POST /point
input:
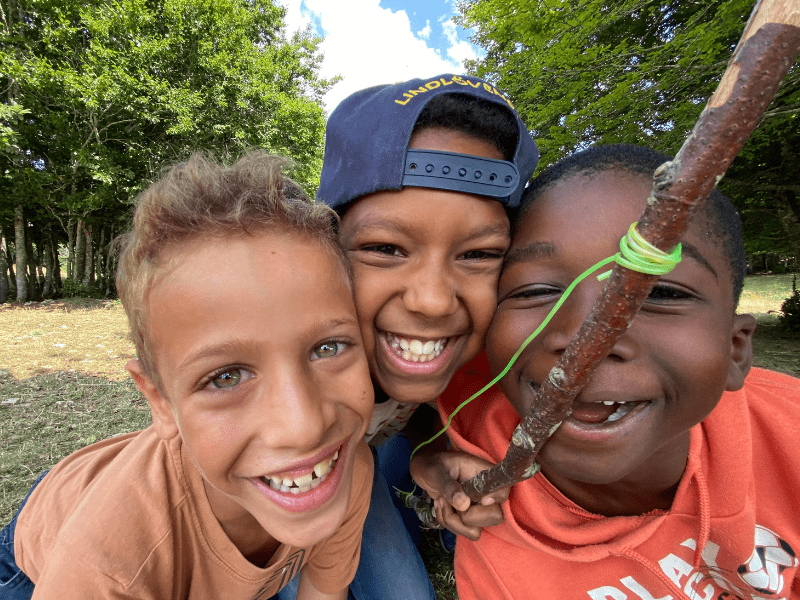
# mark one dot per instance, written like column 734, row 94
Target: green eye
column 227, row 379
column 327, row 349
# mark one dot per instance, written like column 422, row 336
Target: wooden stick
column 762, row 58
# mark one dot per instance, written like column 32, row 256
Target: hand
column 440, row 474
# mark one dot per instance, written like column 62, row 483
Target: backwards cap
column 366, row 146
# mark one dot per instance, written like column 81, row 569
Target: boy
column 250, row 357
column 422, row 173
column 674, row 475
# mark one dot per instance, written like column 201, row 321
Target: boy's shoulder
column 129, row 516
column 118, row 492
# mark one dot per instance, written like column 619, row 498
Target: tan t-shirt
column 129, row 518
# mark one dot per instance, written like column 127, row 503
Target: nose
column 431, row 290
column 570, row 317
column 293, row 414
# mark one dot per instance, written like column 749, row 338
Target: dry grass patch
column 88, row 336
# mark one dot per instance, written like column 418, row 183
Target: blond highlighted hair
column 201, row 198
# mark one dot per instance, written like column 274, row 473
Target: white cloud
column 369, row 45
column 458, row 51
column 425, row 32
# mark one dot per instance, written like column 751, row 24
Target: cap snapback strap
column 460, row 173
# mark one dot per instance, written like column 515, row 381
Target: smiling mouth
column 415, row 350
column 303, row 483
column 600, row 413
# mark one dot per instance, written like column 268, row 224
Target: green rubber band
column 636, row 254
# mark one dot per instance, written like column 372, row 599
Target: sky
column 369, row 42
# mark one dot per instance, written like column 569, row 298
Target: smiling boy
column 240, row 305
column 422, row 173
column 673, row 476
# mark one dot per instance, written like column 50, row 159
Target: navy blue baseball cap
column 366, row 146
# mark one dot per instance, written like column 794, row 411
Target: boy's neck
column 652, row 488
column 242, row 528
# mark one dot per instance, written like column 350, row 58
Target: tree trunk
column 71, row 248
column 21, row 258
column 88, row 270
column 110, row 269
column 788, row 208
column 80, row 252
column 58, row 284
column 10, row 258
column 48, row 289
column 33, row 265
column 3, row 270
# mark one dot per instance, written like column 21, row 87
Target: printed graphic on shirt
column 766, row 575
column 771, row 557
column 285, row 574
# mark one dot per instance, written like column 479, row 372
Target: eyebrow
column 381, row 223
column 531, row 252
column 540, row 250
column 690, row 250
column 249, row 347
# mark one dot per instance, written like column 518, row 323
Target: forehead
column 597, row 209
column 254, row 271
column 453, row 140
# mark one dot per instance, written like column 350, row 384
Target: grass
column 763, row 294
column 63, row 385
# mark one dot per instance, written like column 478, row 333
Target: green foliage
column 73, row 289
column 640, row 71
column 99, row 96
column 790, row 309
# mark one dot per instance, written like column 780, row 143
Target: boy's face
column 264, row 378
column 425, row 264
column 664, row 375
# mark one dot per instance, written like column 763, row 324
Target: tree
column 638, row 71
column 113, row 91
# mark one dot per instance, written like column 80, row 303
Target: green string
column 636, row 254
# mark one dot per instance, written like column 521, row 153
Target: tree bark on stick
column 762, row 58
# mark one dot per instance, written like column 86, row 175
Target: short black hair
column 721, row 216
column 474, row 116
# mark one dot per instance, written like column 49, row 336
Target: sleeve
column 333, row 564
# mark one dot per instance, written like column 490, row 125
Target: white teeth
column 608, row 402
column 303, row 483
column 416, row 350
column 303, row 479
column 623, row 409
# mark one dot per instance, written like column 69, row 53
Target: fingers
column 451, row 519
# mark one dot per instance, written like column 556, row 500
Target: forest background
column 97, row 97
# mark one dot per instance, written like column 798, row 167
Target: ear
column 741, row 351
column 163, row 417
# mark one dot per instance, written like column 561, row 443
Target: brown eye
column 227, row 379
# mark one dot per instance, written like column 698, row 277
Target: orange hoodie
column 732, row 532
